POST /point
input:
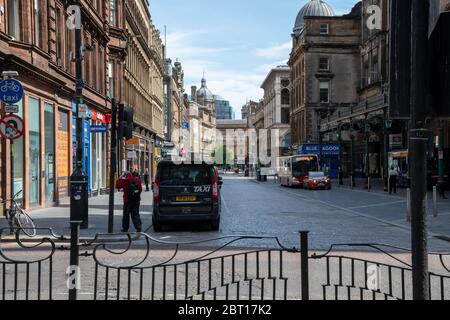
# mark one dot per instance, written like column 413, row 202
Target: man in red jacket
column 132, row 189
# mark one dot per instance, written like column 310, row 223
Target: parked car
column 184, row 193
column 317, row 180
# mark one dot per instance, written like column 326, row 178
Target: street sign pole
column 112, row 166
column 12, row 172
column 418, row 149
column 79, row 206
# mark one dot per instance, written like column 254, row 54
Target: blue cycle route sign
column 11, row 91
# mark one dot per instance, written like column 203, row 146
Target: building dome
column 204, row 92
column 314, row 8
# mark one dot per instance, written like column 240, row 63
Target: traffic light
column 126, row 120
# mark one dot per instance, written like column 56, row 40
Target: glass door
column 35, row 167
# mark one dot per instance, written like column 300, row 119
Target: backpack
column 134, row 195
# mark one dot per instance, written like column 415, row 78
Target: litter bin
column 79, row 198
column 258, row 175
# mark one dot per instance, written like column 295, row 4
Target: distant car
column 185, row 193
column 317, row 180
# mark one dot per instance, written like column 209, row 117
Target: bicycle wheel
column 26, row 223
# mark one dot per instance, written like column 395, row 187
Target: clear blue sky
column 235, row 42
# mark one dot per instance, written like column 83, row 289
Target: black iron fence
column 139, row 267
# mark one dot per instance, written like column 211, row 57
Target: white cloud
column 277, row 51
column 237, row 86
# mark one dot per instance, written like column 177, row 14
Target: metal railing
column 140, row 267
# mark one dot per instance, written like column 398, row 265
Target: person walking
column 393, row 176
column 132, row 188
column 147, row 180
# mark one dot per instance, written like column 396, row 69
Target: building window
column 59, row 38
column 285, row 97
column 324, row 64
column 14, row 19
column 37, row 23
column 324, row 91
column 324, row 28
column 111, row 79
column 285, row 115
column 112, row 12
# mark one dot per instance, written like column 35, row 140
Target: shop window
column 34, row 153
column 63, row 146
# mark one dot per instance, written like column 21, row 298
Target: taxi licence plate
column 186, row 199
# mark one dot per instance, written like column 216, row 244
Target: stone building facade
column 35, row 42
column 276, row 104
column 202, row 123
column 325, row 68
column 143, row 86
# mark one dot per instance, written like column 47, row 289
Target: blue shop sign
column 327, row 149
column 98, row 129
column 11, row 91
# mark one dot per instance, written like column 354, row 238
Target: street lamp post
column 352, row 156
column 418, row 149
column 341, row 182
column 79, row 206
column 387, row 125
column 367, row 164
column 441, row 182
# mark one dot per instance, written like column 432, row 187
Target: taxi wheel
column 215, row 225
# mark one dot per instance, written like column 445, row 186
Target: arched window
column 285, row 97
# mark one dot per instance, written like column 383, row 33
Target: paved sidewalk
column 58, row 218
column 439, row 226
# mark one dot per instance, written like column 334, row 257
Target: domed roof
column 314, row 8
column 204, row 92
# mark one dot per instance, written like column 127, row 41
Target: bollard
column 408, row 205
column 304, row 266
column 435, row 202
column 74, row 276
column 368, row 184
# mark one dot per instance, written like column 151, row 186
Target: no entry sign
column 11, row 127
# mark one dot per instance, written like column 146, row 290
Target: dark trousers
column 131, row 209
column 392, row 184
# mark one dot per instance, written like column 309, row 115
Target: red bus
column 293, row 170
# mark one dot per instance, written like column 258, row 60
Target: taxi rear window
column 185, row 175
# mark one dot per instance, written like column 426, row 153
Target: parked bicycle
column 19, row 218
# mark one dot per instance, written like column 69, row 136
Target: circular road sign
column 11, row 91
column 11, row 127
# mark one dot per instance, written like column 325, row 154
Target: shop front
column 139, row 155
column 98, row 153
column 329, row 156
column 41, row 156
column 85, row 144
